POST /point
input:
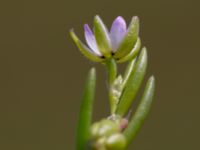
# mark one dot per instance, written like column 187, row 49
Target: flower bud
column 104, row 128
column 116, row 141
column 107, row 128
column 100, row 144
column 94, row 131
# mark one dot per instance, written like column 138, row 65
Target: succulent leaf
column 85, row 114
column 141, row 112
column 133, row 84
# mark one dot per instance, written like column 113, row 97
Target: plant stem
column 112, row 73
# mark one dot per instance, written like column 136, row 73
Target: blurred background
column 42, row 73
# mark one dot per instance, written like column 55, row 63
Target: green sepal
column 129, row 40
column 102, row 37
column 133, row 52
column 141, row 111
column 133, row 84
column 84, row 49
column 85, row 114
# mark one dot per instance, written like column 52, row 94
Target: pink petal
column 90, row 39
column 117, row 32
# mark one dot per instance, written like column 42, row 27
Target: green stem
column 112, row 73
column 112, row 70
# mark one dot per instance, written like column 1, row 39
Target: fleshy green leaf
column 133, row 52
column 85, row 115
column 133, row 84
column 84, row 49
column 129, row 40
column 102, row 37
column 141, row 112
column 130, row 67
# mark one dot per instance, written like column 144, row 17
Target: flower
column 120, row 43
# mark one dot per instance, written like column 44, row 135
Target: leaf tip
column 152, row 81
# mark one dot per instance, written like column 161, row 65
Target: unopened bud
column 116, row 141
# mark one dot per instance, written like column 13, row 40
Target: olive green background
column 42, row 73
